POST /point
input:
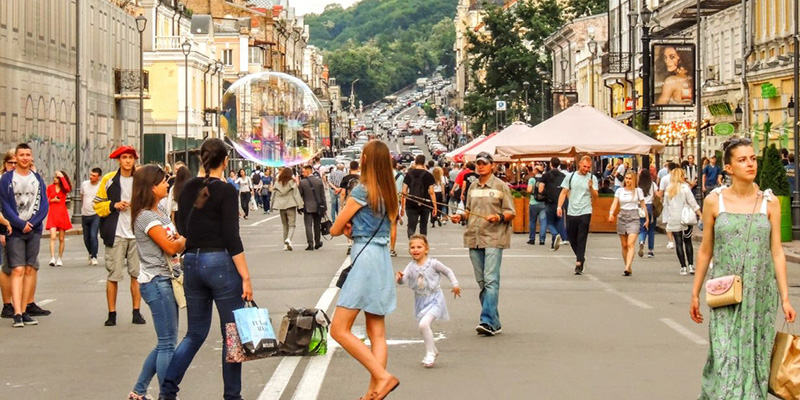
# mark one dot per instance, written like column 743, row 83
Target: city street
column 600, row 335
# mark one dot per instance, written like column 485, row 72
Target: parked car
column 416, row 131
column 406, row 157
column 408, row 140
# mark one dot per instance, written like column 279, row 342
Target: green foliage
column 771, row 174
column 386, row 44
column 508, row 53
column 430, row 112
column 583, row 8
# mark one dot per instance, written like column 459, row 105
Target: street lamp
column 738, row 113
column 219, row 98
column 353, row 96
column 646, row 14
column 513, row 101
column 564, row 65
column 141, row 23
column 544, row 79
column 790, row 107
column 793, row 112
column 526, row 85
column 186, row 46
column 593, row 50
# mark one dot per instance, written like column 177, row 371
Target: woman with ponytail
column 209, row 218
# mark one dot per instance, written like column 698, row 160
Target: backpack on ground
column 552, row 188
column 304, row 332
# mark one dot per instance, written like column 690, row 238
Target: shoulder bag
column 688, row 216
column 174, row 262
column 345, row 272
column 642, row 212
column 727, row 290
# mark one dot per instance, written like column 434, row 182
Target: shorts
column 22, row 250
column 123, row 253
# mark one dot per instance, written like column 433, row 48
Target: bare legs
column 374, row 359
column 628, row 244
column 111, row 294
column 23, row 283
column 59, row 234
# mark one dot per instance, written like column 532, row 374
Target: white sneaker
column 429, row 360
column 565, row 242
column 89, row 262
column 691, row 269
column 94, row 261
column 683, row 271
column 59, row 263
column 557, row 243
column 288, row 244
column 670, row 245
column 52, row 262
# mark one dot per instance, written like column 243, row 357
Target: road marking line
column 608, row 288
column 45, row 302
column 264, row 220
column 685, row 332
column 504, row 255
column 283, row 374
column 280, row 379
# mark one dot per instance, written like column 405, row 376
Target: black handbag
column 345, row 272
column 326, row 225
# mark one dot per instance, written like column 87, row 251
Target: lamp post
column 496, row 111
column 219, row 98
column 593, row 50
column 353, row 95
column 514, row 112
column 186, row 46
column 646, row 14
column 526, row 85
column 504, row 122
column 738, row 114
column 794, row 106
column 141, row 23
column 698, row 97
column 564, row 65
column 545, row 77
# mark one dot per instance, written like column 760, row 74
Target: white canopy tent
column 581, row 129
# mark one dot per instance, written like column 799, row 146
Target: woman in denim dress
column 367, row 219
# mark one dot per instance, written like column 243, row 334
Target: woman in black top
column 214, row 265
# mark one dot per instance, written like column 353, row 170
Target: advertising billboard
column 563, row 101
column 673, row 75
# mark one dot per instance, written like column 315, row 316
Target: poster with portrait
column 563, row 101
column 673, row 75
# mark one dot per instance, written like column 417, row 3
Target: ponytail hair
column 212, row 155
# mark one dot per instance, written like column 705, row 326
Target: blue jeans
column 90, row 225
column 209, row 277
column 265, row 198
column 334, row 205
column 537, row 213
column 554, row 222
column 486, row 263
column 159, row 297
column 650, row 231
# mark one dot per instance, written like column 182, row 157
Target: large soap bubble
column 273, row 119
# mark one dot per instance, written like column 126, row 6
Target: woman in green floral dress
column 741, row 335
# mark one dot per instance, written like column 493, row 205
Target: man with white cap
column 112, row 203
column 489, row 210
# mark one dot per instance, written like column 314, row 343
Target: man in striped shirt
column 334, row 183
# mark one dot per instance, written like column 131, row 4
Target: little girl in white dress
column 423, row 276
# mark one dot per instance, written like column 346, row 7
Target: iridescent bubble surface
column 273, row 119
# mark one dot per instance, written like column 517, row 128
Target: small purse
column 173, row 262
column 727, row 290
column 642, row 212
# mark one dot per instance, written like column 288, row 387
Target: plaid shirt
column 335, row 177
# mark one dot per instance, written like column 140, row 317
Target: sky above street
column 303, row 7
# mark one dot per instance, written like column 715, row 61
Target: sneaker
column 112, row 319
column 691, row 269
column 557, row 244
column 392, row 253
column 137, row 318
column 541, row 243
column 641, row 249
column 670, row 245
column 27, row 320
column 134, row 396
column 59, row 263
column 288, row 244
column 565, row 242
column 531, row 242
column 17, row 323
column 484, row 329
column 429, row 360
column 52, row 262
column 89, row 261
column 579, row 269
column 683, row 271
column 650, row 254
column 94, row 260
column 36, row 311
column 8, row 311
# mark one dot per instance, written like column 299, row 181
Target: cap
column 124, row 150
column 485, row 157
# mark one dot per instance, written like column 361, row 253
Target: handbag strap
column 750, row 225
column 383, row 218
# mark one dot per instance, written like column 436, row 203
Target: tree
column 508, row 52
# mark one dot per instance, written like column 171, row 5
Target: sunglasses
column 11, row 162
column 737, row 142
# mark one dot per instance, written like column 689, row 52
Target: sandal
column 627, row 273
column 390, row 387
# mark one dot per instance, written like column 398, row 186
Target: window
column 256, row 55
column 4, row 14
column 227, row 57
column 14, row 11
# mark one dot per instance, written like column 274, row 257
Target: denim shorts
column 22, row 250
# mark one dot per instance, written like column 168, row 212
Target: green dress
column 742, row 335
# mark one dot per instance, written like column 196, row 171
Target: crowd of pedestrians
column 148, row 219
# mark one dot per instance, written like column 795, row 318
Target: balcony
column 615, row 63
column 126, row 84
column 169, row 43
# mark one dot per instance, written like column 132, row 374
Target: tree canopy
column 386, row 44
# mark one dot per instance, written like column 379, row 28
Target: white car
column 408, row 140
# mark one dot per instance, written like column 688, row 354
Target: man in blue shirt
column 711, row 176
column 791, row 174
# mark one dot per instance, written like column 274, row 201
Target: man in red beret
column 112, row 203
